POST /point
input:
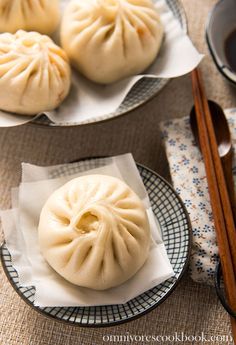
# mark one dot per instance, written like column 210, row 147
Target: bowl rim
column 221, row 68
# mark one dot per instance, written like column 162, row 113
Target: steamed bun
column 108, row 40
column 31, row 15
column 94, row 232
column 34, row 73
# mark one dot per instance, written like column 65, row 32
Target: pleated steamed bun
column 31, row 15
column 35, row 74
column 94, row 232
column 108, row 40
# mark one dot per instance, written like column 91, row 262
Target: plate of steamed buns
column 95, row 229
column 105, row 41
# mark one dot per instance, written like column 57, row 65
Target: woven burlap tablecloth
column 192, row 309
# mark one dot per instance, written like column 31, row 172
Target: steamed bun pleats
column 30, row 15
column 107, row 40
column 94, row 232
column 35, row 74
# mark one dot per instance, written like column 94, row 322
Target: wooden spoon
column 225, row 147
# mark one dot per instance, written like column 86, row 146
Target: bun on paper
column 107, row 40
column 94, row 232
column 35, row 74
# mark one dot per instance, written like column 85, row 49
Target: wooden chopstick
column 222, row 185
column 221, row 209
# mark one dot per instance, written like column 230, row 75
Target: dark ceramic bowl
column 221, row 23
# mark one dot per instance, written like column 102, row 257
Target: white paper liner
column 20, row 229
column 88, row 101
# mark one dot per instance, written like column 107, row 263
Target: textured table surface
column 192, row 309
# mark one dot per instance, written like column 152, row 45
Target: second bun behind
column 37, row 15
column 108, row 40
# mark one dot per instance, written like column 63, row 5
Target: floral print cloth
column 189, row 180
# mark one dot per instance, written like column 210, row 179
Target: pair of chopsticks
column 220, row 203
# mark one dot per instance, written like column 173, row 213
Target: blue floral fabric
column 189, row 179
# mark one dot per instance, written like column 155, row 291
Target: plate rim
column 129, row 319
column 164, row 82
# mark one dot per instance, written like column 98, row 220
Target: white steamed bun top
column 35, row 74
column 31, row 15
column 108, row 40
column 94, row 232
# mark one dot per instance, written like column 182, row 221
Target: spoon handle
column 229, row 178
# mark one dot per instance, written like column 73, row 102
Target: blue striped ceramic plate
column 174, row 222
